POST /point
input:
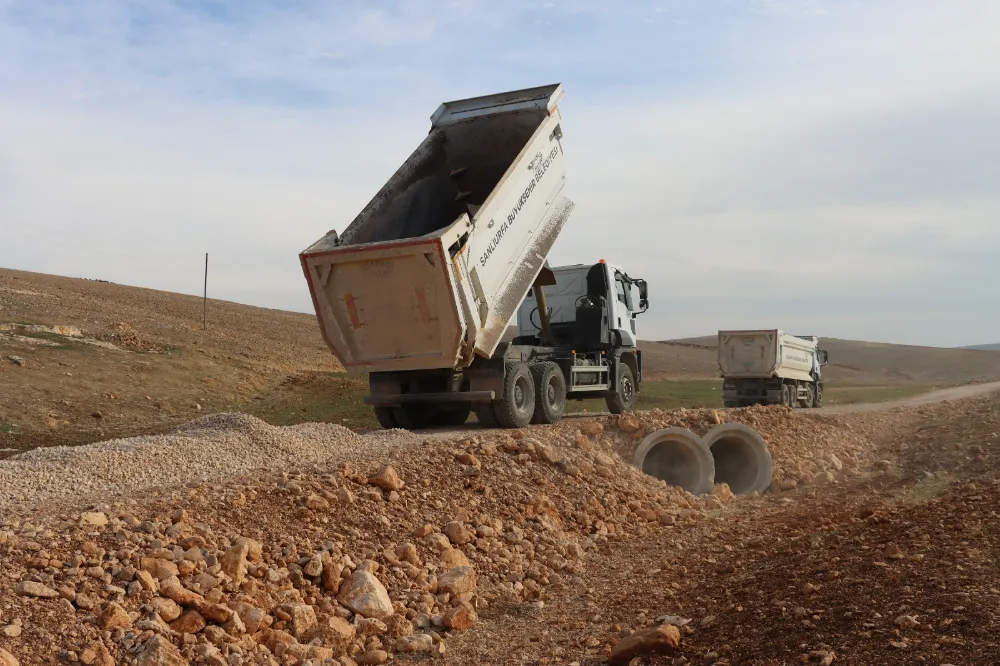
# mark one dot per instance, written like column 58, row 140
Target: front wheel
column 818, row 399
column 623, row 399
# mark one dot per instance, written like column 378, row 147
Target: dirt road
column 930, row 398
column 933, row 397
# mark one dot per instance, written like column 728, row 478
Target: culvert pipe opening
column 741, row 458
column 677, row 456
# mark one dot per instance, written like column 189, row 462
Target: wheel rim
column 626, row 390
column 521, row 393
column 550, row 394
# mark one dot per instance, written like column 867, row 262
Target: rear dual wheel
column 415, row 417
column 550, row 392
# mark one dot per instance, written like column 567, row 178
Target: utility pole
column 204, row 310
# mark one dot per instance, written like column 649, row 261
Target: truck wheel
column 788, row 396
column 728, row 403
column 550, row 392
column 622, row 400
column 412, row 417
column 485, row 415
column 453, row 416
column 818, row 401
column 517, row 405
column 384, row 417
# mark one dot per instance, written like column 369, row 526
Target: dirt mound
column 213, row 447
column 805, row 448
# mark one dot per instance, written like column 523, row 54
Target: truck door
column 622, row 309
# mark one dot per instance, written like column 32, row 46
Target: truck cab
column 576, row 290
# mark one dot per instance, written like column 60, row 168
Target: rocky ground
column 235, row 542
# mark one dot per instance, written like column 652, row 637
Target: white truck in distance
column 420, row 288
column 770, row 367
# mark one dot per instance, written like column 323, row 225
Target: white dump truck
column 418, row 291
column 770, row 367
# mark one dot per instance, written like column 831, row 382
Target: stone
column 408, row 553
column 372, row 658
column 461, row 617
column 303, row 622
column 386, row 479
column 171, row 588
column 453, row 557
column 12, row 631
column 415, row 643
column 364, row 594
column 159, row 568
column 252, row 617
column 215, row 612
column 235, row 626
column 457, row 534
column 369, row 626
column 337, row 633
column 158, row 651
column 317, row 503
column 659, row 640
column 167, row 609
column 458, row 581
column 314, row 567
column 190, row 622
column 29, row 588
column 332, row 571
column 113, row 616
column 147, row 581
column 93, row 519
column 628, row 424
column 234, row 562
column 398, row 626
column 592, row 428
column 7, row 659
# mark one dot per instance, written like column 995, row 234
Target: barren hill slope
column 128, row 359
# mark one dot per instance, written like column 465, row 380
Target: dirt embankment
column 233, row 542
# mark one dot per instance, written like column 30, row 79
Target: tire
column 517, row 405
column 384, row 417
column 413, row 417
column 623, row 399
column 728, row 404
column 818, row 396
column 788, row 396
column 452, row 416
column 485, row 415
column 550, row 392
column 810, row 402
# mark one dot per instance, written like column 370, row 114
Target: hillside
column 94, row 360
column 990, row 347
column 131, row 360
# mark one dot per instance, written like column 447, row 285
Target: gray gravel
column 211, row 448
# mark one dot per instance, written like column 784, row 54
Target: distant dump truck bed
column 429, row 274
column 770, row 367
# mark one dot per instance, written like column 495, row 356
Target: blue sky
column 821, row 165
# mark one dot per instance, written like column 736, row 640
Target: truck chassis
column 520, row 384
column 772, row 391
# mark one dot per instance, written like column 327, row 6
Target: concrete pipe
column 741, row 458
column 677, row 456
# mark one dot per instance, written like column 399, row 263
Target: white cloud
column 757, row 169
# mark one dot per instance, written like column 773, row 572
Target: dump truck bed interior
column 430, row 273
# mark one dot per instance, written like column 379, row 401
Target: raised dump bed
column 429, row 274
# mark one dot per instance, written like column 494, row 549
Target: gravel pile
column 210, row 448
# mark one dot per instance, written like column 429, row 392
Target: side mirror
column 643, row 295
column 823, row 357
